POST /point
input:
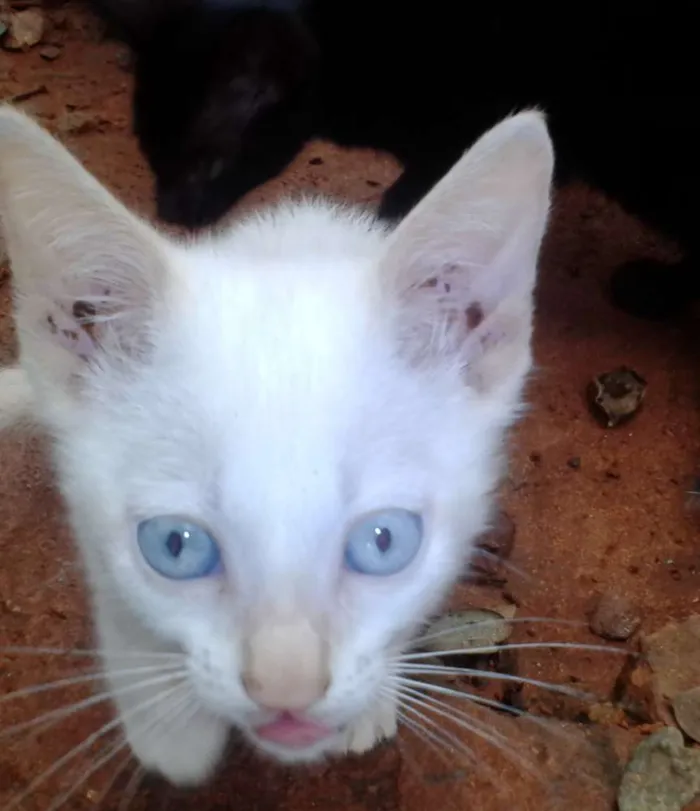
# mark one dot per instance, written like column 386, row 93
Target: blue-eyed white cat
column 277, row 443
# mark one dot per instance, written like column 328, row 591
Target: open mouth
column 294, row 733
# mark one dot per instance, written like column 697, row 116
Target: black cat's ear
column 134, row 21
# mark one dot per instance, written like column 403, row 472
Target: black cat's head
column 222, row 100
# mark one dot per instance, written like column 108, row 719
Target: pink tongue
column 290, row 731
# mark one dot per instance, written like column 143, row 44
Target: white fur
column 273, row 383
column 15, row 397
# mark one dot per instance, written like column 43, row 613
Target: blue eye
column 178, row 549
column 384, row 542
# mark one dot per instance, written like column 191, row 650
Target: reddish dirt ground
column 617, row 521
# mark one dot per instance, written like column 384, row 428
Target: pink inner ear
column 70, row 334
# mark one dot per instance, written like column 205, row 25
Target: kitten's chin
column 311, row 753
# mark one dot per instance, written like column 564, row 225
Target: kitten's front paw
column 185, row 755
column 372, row 728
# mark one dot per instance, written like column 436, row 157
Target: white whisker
column 19, row 650
column 119, row 771
column 425, row 736
column 112, row 752
column 167, row 716
column 39, row 589
column 447, row 737
column 132, row 788
column 475, row 698
column 86, row 744
column 488, row 649
column 430, row 701
column 408, row 758
column 85, row 679
column 485, row 623
column 427, row 670
column 508, row 565
column 461, row 719
column 455, row 743
column 54, row 716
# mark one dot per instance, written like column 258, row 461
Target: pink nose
column 271, row 695
column 286, row 664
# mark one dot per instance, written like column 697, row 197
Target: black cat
column 227, row 92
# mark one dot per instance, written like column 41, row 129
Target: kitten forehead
column 283, row 350
column 283, row 325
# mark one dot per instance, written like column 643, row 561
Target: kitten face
column 221, row 99
column 277, row 445
column 279, row 463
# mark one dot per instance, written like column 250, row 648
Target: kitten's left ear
column 87, row 273
column 463, row 263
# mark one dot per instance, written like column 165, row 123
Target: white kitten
column 277, row 444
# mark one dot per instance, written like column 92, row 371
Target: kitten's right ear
column 87, row 274
column 463, row 263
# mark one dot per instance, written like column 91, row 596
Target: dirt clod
column 78, row 122
column 9, row 606
column 30, row 93
column 25, row 29
column 663, row 774
column 615, row 397
column 673, row 654
column 606, row 714
column 500, row 540
column 493, row 547
column 473, row 628
column 636, row 689
column 670, row 668
column 614, row 617
column 686, row 708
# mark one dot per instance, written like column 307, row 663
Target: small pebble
column 50, row 52
column 615, row 397
column 614, row 617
